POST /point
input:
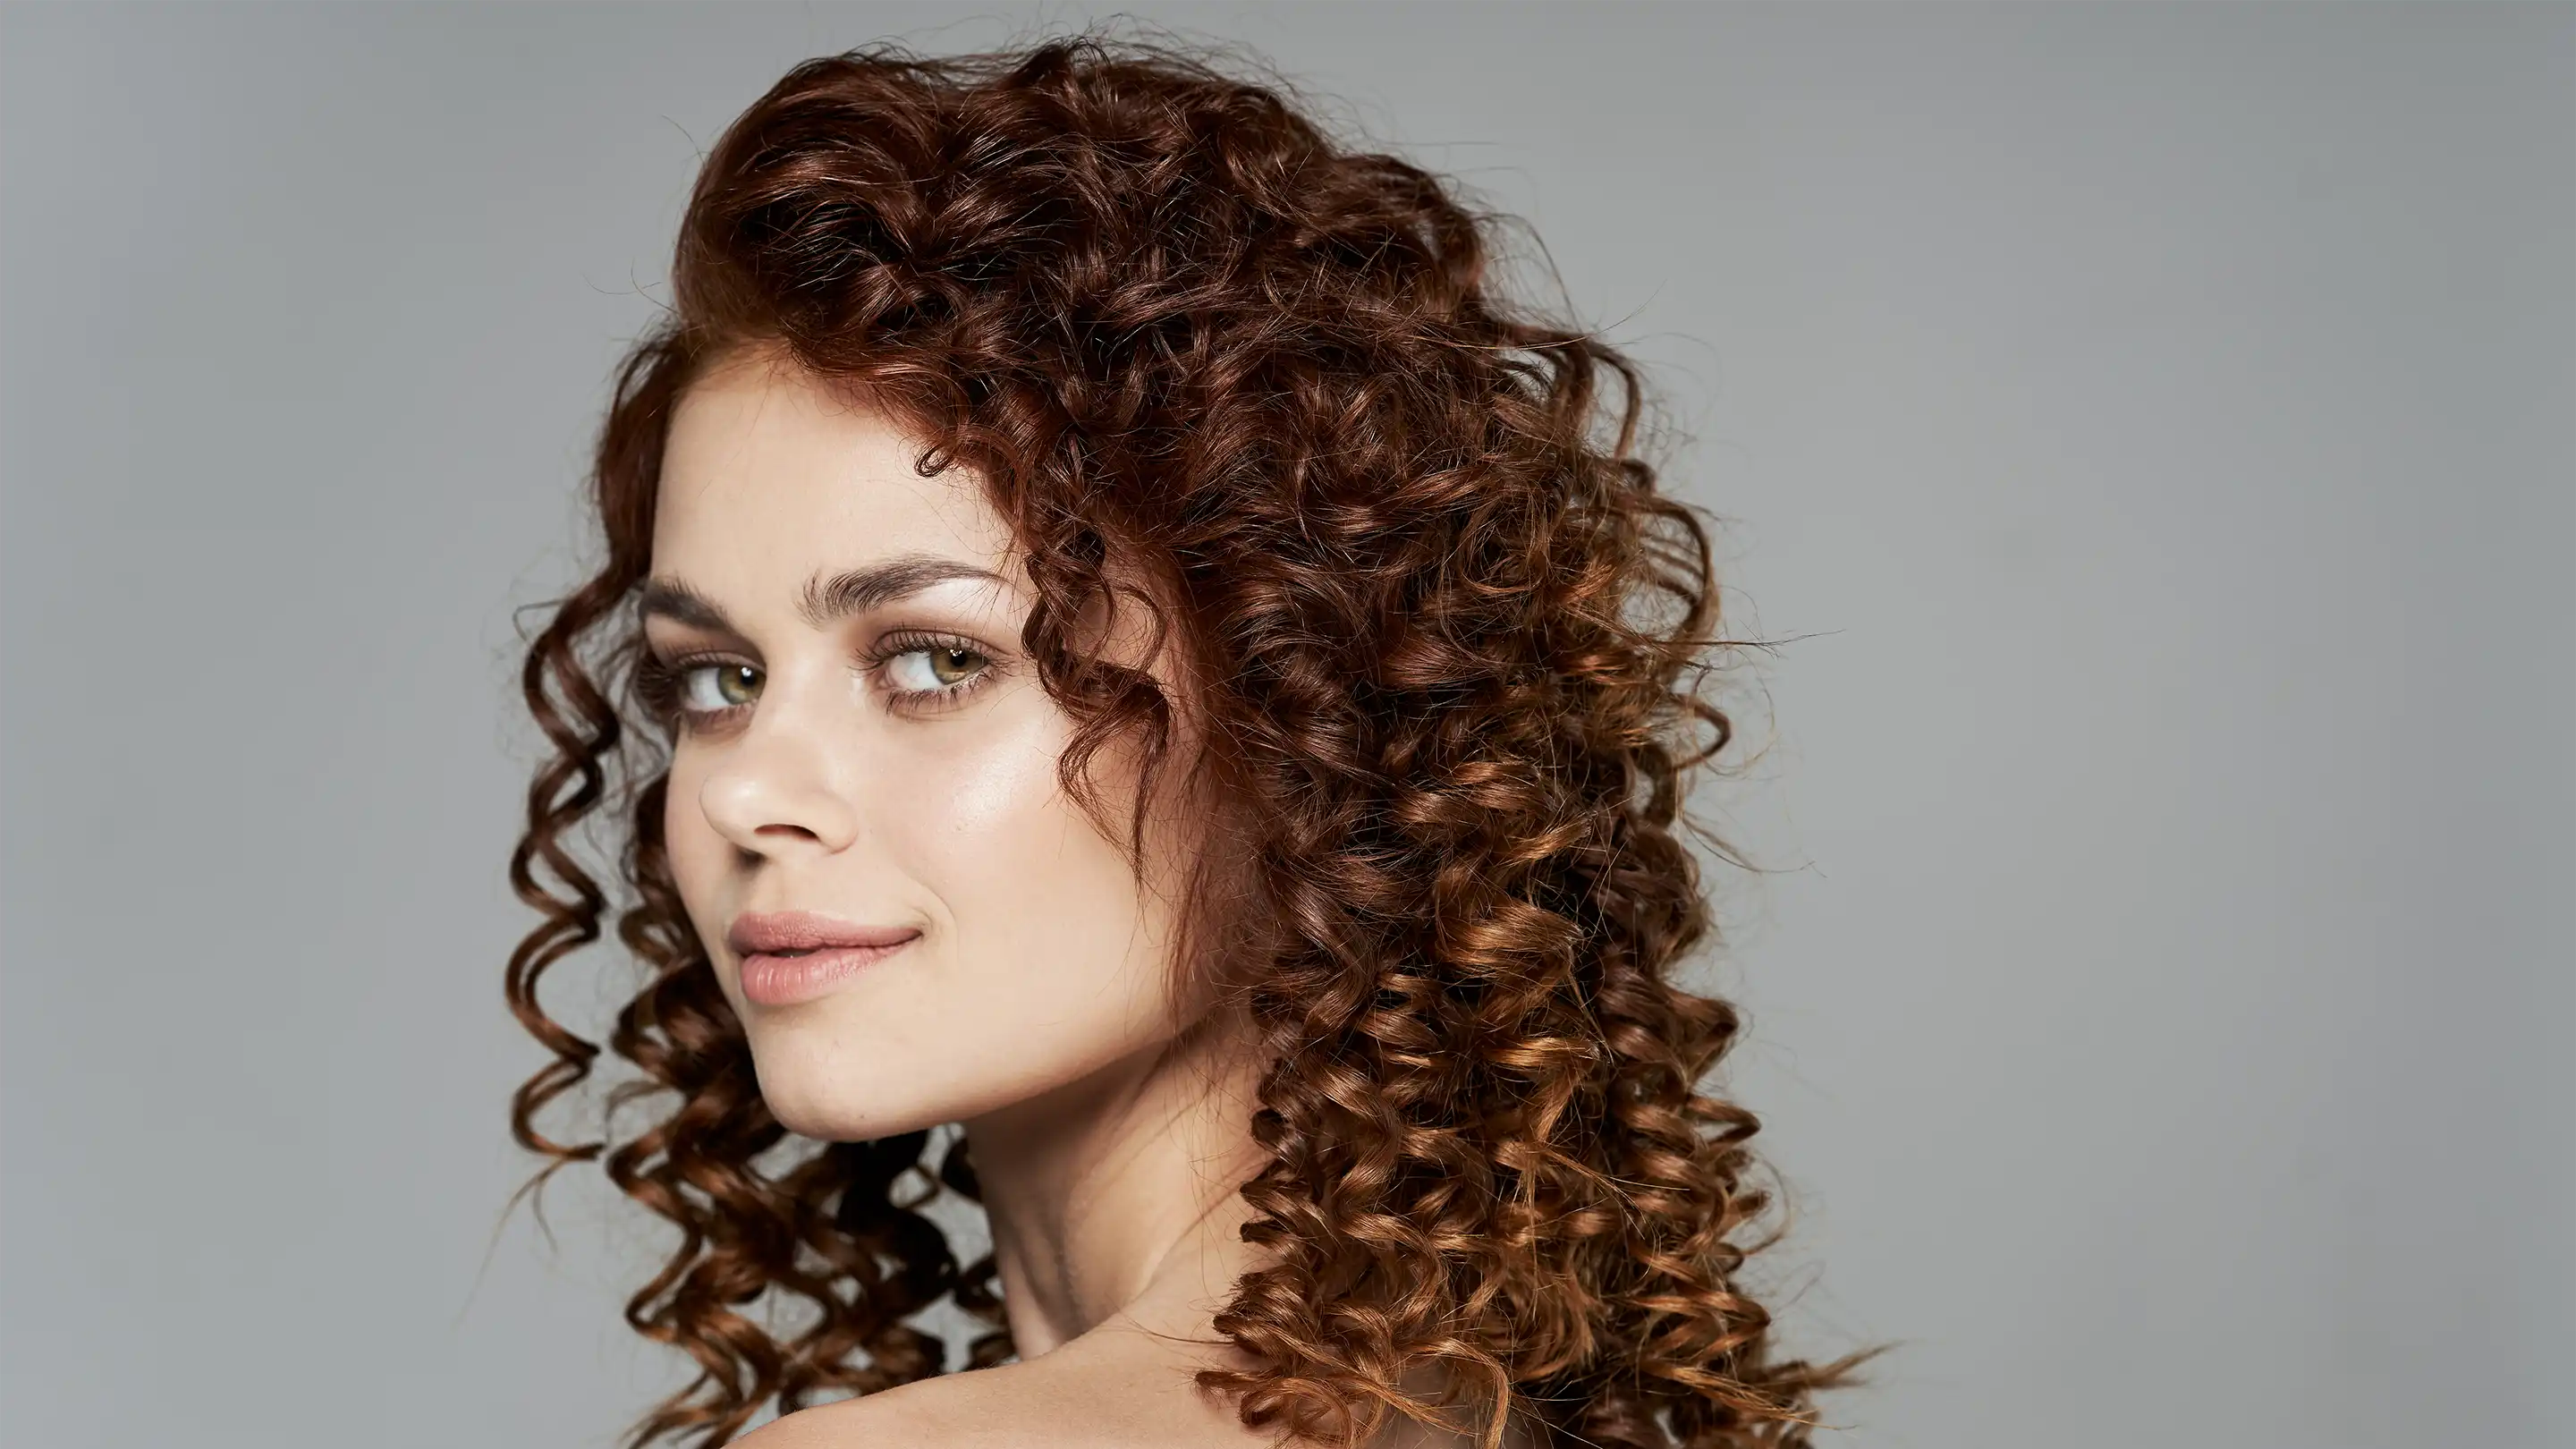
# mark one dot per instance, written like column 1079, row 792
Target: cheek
column 1048, row 928
column 1013, row 857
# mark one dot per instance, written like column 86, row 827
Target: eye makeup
column 919, row 672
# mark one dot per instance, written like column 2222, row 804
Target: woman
column 1115, row 639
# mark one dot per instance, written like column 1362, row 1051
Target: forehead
column 769, row 472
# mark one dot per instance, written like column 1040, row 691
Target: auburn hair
column 1452, row 644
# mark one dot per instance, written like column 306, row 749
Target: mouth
column 789, row 933
column 789, row 977
column 793, row 956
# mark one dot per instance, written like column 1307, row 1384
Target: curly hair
column 1453, row 642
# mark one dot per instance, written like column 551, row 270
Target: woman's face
column 863, row 748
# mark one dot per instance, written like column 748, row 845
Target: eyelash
column 661, row 681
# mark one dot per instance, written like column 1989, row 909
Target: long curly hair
column 1453, row 645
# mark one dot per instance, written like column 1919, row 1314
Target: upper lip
column 753, row 933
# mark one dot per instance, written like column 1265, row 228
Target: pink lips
column 793, row 956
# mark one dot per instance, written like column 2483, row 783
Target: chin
column 830, row 1112
column 827, row 1117
column 825, row 1077
column 845, row 1087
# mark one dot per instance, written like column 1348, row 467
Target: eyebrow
column 824, row 599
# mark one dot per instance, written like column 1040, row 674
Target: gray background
column 2153, row 423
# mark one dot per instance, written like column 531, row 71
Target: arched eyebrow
column 825, row 599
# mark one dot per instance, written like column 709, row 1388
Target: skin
column 1106, row 1107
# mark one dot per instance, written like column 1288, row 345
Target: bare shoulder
column 1094, row 1393
column 953, row 1411
column 1109, row 1389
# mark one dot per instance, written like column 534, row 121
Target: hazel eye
column 932, row 668
column 735, row 686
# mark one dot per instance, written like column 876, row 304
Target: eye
column 733, row 686
column 933, row 668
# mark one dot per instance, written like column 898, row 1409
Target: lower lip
column 787, row 980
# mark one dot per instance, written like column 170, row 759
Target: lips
column 793, row 956
column 789, row 933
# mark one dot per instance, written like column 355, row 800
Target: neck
column 1116, row 1196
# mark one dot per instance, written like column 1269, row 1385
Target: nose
column 775, row 789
